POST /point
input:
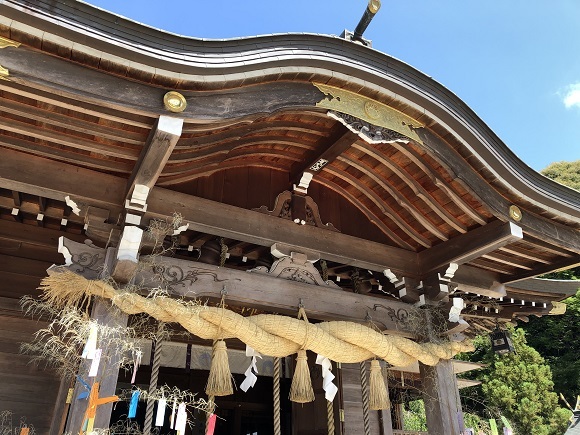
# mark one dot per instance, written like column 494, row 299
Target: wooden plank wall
column 26, row 390
column 352, row 400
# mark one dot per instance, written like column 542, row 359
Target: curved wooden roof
column 86, row 89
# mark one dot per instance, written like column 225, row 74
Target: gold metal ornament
column 174, row 102
column 558, row 308
column 4, row 73
column 515, row 213
column 369, row 110
column 374, row 6
column 5, row 42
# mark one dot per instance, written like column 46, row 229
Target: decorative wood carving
column 369, row 132
column 82, row 258
column 368, row 110
column 297, row 268
column 298, row 208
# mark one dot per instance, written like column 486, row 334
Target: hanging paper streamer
column 211, row 424
column 133, row 404
column 251, row 378
column 507, row 428
column 493, row 427
column 172, row 417
column 329, row 388
column 181, row 420
column 138, row 356
column 83, row 394
column 95, row 364
column 91, row 344
column 160, row 417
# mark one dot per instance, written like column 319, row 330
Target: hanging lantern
column 501, row 342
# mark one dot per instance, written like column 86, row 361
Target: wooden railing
column 408, row 432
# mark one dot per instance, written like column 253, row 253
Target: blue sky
column 516, row 63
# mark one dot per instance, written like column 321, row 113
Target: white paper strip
column 91, row 344
column 160, row 417
column 136, row 365
column 251, row 378
column 95, row 364
column 329, row 388
column 181, row 420
column 172, row 417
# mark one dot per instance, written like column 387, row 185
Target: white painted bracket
column 304, row 182
column 138, row 199
column 129, row 244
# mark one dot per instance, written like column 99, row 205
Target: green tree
column 566, row 173
column 556, row 339
column 519, row 386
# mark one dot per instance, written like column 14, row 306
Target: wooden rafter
column 396, row 195
column 438, row 181
column 417, row 189
column 532, row 224
column 469, row 246
column 381, row 205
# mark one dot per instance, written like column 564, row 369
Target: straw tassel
column 219, row 382
column 378, row 395
column 301, row 390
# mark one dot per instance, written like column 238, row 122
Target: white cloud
column 572, row 96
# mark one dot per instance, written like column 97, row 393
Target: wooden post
column 108, row 371
column 440, row 391
column 441, row 396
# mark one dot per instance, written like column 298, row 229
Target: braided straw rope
column 271, row 335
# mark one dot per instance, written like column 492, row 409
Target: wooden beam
column 469, row 246
column 54, row 180
column 156, row 152
column 253, row 227
column 341, row 140
column 67, row 79
column 254, row 290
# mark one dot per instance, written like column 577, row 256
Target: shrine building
column 292, row 179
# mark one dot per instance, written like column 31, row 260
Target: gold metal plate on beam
column 558, row 308
column 515, row 213
column 4, row 73
column 174, row 102
column 5, row 42
column 369, row 110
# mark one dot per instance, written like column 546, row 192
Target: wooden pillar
column 441, row 397
column 108, row 369
column 397, row 415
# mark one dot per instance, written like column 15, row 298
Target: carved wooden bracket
column 295, row 267
column 298, row 208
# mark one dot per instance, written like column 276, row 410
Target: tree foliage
column 557, row 338
column 519, row 386
column 566, row 173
